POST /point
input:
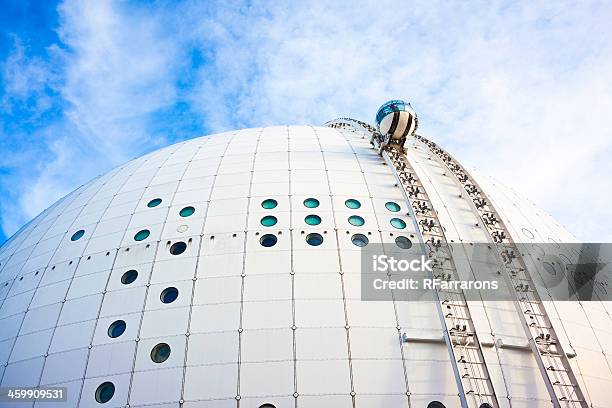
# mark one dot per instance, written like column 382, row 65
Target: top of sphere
column 395, row 105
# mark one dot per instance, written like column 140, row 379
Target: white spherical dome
column 224, row 271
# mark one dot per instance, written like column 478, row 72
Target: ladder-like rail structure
column 551, row 359
column 465, row 350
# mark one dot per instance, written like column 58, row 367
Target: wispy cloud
column 522, row 93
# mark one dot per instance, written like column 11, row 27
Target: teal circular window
column 314, row 239
column 397, row 223
column 352, row 204
column 160, row 353
column 105, row 392
column 77, row 235
column 142, row 235
column 269, row 204
column 268, row 221
column 360, row 240
column 356, row 220
column 129, row 277
column 312, row 219
column 268, row 240
column 311, row 203
column 116, row 329
column 154, row 202
column 391, row 206
column 187, row 211
column 403, row 242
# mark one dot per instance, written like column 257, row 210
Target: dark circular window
column 312, row 219
column 154, row 202
column 397, row 223
column 356, row 220
column 352, row 204
column 187, row 211
column 116, row 329
column 268, row 221
column 178, row 248
column 129, row 277
column 267, row 405
column 169, row 295
column 403, row 242
column 105, row 392
column 269, row 204
column 436, row 404
column 314, row 239
column 160, row 353
column 142, row 235
column 391, row 206
column 311, row 203
column 485, row 405
column 268, row 240
column 77, row 235
column 360, row 240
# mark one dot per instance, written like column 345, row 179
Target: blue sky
column 520, row 92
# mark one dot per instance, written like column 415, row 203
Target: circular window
column 142, row 235
column 105, row 392
column 154, row 202
column 436, row 404
column 178, row 248
column 352, row 204
column 187, row 211
column 312, row 219
column 311, row 203
column 356, row 220
column 268, row 221
column 391, row 206
column 360, row 240
column 485, row 405
column 269, row 204
column 314, row 239
column 397, row 223
column 169, row 295
column 267, row 405
column 116, row 329
column 268, row 240
column 403, row 242
column 160, row 353
column 77, row 235
column 129, row 277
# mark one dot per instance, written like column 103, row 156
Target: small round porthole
column 485, row 405
column 116, row 329
column 187, row 211
column 129, row 277
column 269, row 204
column 142, row 235
column 311, row 203
column 356, row 220
column 105, row 392
column 314, row 239
column 268, row 221
column 160, row 353
column 154, row 202
column 352, row 204
column 360, row 240
column 403, row 242
column 312, row 219
column 268, row 240
column 77, row 235
column 267, row 405
column 397, row 223
column 436, row 404
column 391, row 206
column 178, row 248
column 169, row 295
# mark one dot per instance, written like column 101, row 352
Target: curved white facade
column 283, row 324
